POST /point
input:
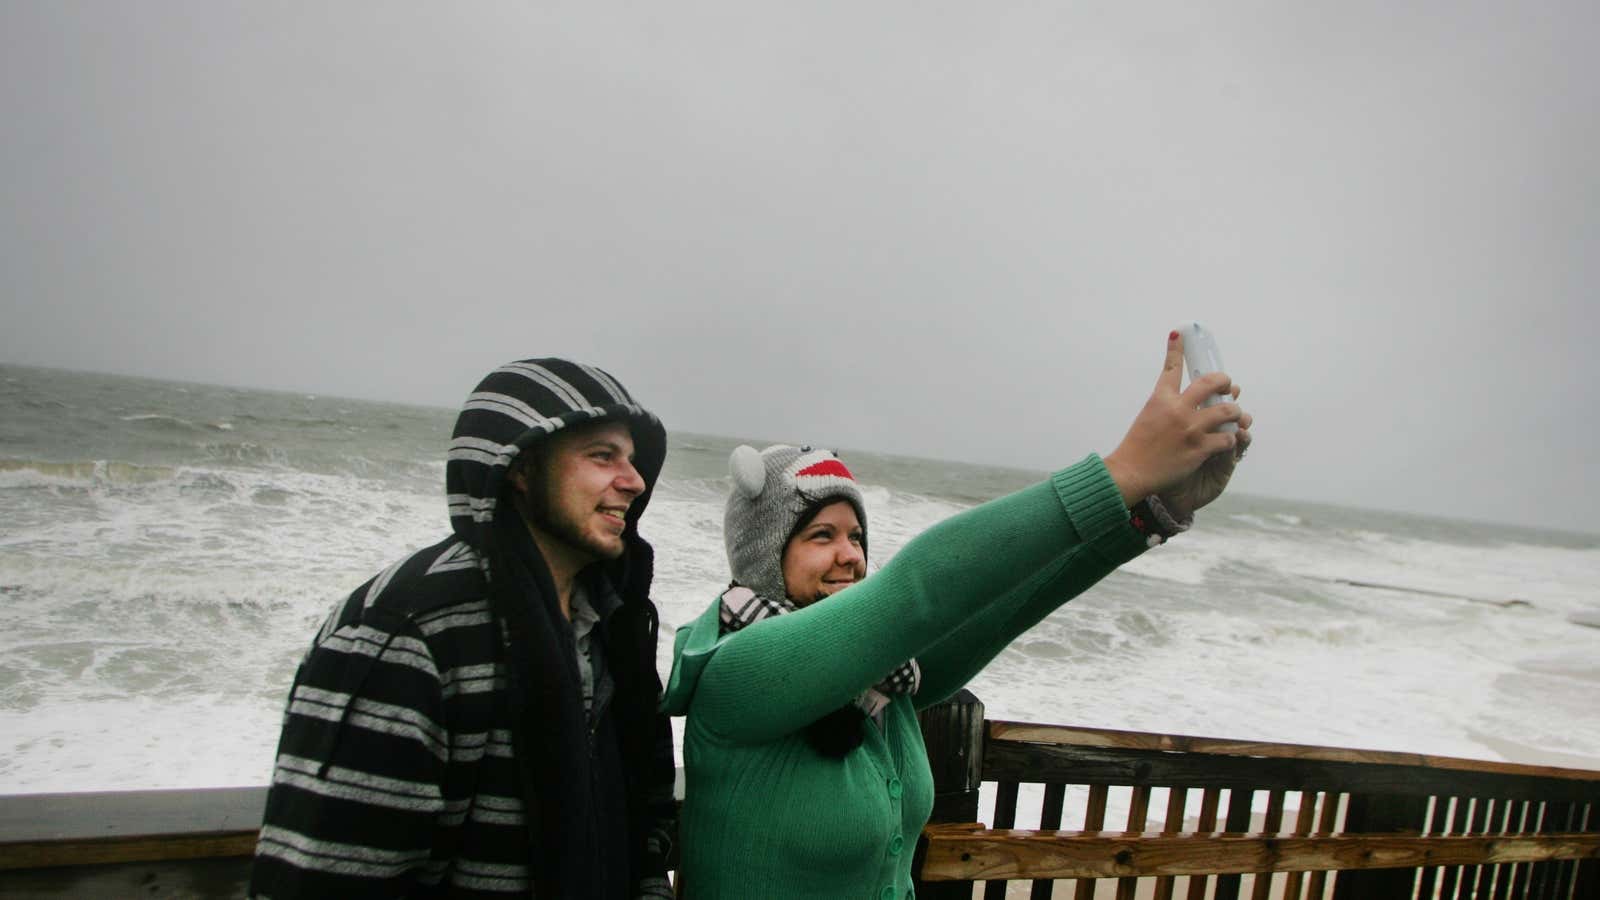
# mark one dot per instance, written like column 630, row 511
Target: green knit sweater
column 765, row 816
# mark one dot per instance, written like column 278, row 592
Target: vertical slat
column 954, row 733
column 1523, row 888
column 1544, row 875
column 1381, row 814
column 1325, row 823
column 1482, row 815
column 1138, row 814
column 1494, row 875
column 1055, row 797
column 1177, row 799
column 1586, row 881
column 1567, row 882
column 1271, row 825
column 1239, row 802
column 1505, row 885
column 1560, row 871
column 1208, row 823
column 1005, row 816
column 1094, row 819
column 1451, row 876
column 1428, row 877
column 1302, row 827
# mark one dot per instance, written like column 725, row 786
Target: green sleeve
column 948, row 665
column 781, row 674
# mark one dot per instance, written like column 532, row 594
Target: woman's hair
column 811, row 512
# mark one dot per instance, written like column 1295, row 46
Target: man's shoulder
column 436, row 582
column 420, row 625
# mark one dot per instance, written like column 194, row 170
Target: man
column 479, row 719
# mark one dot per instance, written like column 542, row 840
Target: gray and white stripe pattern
column 397, row 772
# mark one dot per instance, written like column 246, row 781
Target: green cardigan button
column 894, row 789
column 887, row 893
column 896, row 844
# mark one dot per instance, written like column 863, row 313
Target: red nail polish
column 1173, row 336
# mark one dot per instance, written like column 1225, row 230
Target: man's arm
column 356, row 789
column 663, row 813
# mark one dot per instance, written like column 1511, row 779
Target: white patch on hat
column 748, row 471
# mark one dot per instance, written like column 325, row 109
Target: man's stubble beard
column 537, row 509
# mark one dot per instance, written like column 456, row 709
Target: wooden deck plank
column 1135, row 740
column 1304, row 820
column 1177, row 800
column 1138, row 815
column 39, row 817
column 1271, row 824
column 1005, row 816
column 1210, row 798
column 1094, row 819
column 143, row 848
column 1050, row 809
column 1241, row 802
column 969, row 852
column 1009, row 760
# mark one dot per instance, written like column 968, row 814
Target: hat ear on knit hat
column 772, row 489
column 749, row 473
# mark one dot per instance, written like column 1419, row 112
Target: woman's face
column 825, row 556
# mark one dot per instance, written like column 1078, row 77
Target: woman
column 807, row 775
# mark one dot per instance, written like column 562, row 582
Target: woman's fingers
column 1172, row 369
column 1211, row 417
column 1220, row 442
column 1173, row 434
column 1203, row 387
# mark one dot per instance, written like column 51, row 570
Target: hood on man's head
column 772, row 490
column 522, row 403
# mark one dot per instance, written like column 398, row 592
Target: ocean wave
column 1268, row 522
column 247, row 452
column 39, row 403
column 101, row 471
column 162, row 422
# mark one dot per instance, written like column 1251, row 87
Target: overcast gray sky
column 957, row 230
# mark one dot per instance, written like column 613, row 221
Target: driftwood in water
column 1425, row 592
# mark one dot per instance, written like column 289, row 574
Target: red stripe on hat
column 826, row 467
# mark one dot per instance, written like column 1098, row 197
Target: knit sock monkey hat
column 772, row 490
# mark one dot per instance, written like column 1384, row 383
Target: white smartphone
column 1202, row 357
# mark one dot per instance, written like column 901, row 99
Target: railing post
column 953, row 733
column 1586, row 875
column 1377, row 814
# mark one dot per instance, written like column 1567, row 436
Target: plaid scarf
column 742, row 607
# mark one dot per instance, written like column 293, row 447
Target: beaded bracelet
column 1150, row 518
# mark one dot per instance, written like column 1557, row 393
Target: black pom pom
column 837, row 733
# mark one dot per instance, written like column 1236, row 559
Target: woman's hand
column 1173, row 448
column 1206, row 483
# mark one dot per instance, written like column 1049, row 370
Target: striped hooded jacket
column 436, row 742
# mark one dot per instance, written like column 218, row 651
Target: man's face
column 578, row 508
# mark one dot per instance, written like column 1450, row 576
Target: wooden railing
column 172, row 843
column 1241, row 819
column 1118, row 814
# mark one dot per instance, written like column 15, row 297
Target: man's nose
column 629, row 480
